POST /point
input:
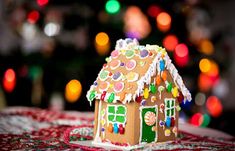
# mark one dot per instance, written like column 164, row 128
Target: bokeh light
column 136, row 23
column 163, row 21
column 112, row 6
column 170, row 42
column 52, row 29
column 9, row 80
column 181, row 55
column 200, row 99
column 205, row 65
column 196, row 119
column 154, row 10
column 214, row 106
column 73, row 91
column 42, row 2
column 33, row 17
column 102, row 43
column 204, row 82
column 206, row 120
column 206, row 47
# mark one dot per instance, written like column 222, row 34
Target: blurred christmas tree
column 51, row 51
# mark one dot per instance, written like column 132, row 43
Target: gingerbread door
column 148, row 118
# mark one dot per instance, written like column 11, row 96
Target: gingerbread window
column 169, row 107
column 116, row 114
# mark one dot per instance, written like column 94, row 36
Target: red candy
column 138, row 99
column 121, row 129
column 172, row 121
column 103, row 96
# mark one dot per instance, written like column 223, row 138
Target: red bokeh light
column 181, row 50
column 170, row 42
column 214, row 106
column 9, row 80
column 154, row 10
column 42, row 2
column 33, row 17
column 196, row 119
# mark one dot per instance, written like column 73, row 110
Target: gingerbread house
column 137, row 95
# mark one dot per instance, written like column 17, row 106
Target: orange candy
column 164, row 75
column 110, row 128
column 158, row 80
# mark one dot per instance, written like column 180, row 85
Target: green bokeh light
column 112, row 6
column 206, row 120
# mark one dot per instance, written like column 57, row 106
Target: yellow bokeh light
column 206, row 47
column 205, row 65
column 102, row 39
column 73, row 91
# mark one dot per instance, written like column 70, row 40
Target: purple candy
column 102, row 129
column 144, row 53
column 116, row 75
column 122, row 64
column 95, row 83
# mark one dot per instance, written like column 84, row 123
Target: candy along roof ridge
column 128, row 44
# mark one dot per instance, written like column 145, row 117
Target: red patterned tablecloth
column 24, row 128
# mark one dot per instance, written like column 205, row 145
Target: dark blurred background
column 51, row 51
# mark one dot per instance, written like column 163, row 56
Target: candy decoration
column 138, row 99
column 162, row 124
column 110, row 127
column 115, row 128
column 130, row 65
column 115, row 64
column 162, row 65
column 95, row 83
column 116, row 76
column 146, row 93
column 168, row 122
column 167, row 132
column 105, row 65
column 178, row 108
column 92, row 95
column 158, row 80
column 153, row 88
column 103, row 86
column 169, row 87
column 172, row 121
column 132, row 76
column 103, row 96
column 162, row 107
column 115, row 54
column 102, row 121
column 142, row 63
column 180, row 98
column 150, row 53
column 160, row 89
column 122, row 64
column 129, row 53
column 111, row 98
column 153, row 98
column 118, row 87
column 175, row 92
column 143, row 102
column 164, row 75
column 103, row 75
column 150, row 118
column 144, row 53
column 175, row 131
column 121, row 129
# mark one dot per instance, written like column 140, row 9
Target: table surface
column 23, row 128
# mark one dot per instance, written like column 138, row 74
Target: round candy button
column 114, row 64
column 103, row 75
column 115, row 54
column 129, row 53
column 103, row 86
column 130, row 65
column 116, row 76
column 118, row 87
column 144, row 53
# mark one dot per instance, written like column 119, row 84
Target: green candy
column 111, row 98
column 153, row 88
column 169, row 87
column 103, row 74
column 129, row 53
column 92, row 96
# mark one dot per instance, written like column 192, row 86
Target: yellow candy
column 175, row 92
column 146, row 93
column 102, row 122
column 167, row 132
column 111, row 85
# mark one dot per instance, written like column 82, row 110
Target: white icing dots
column 130, row 65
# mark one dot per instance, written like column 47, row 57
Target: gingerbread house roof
column 129, row 67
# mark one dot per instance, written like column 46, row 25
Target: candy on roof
column 129, row 67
